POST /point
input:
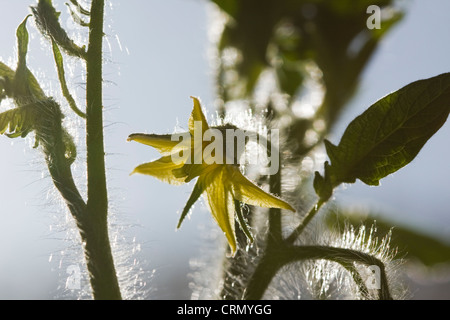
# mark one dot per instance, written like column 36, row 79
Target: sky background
column 157, row 57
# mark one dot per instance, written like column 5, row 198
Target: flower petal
column 221, row 202
column 246, row 191
column 197, row 116
column 196, row 193
column 161, row 169
column 163, row 142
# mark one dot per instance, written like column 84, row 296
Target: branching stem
column 273, row 260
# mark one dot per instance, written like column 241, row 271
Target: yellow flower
column 222, row 184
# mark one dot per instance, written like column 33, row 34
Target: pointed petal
column 163, row 142
column 197, row 116
column 196, row 193
column 221, row 202
column 246, row 191
column 162, row 170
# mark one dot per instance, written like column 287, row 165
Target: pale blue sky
column 163, row 61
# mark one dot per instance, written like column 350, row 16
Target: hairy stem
column 97, row 193
column 98, row 250
column 93, row 232
column 275, row 226
column 235, row 269
column 275, row 259
column 298, row 231
column 268, row 267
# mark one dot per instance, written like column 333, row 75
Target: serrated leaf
column 17, row 122
column 42, row 117
column 390, row 134
column 35, row 111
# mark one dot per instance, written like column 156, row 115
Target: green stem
column 273, row 260
column 98, row 250
column 97, row 193
column 350, row 267
column 93, row 232
column 267, row 268
column 275, row 226
column 298, row 231
column 50, row 133
column 236, row 269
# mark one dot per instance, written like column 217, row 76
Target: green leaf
column 76, row 18
column 17, row 122
column 80, row 8
column 323, row 185
column 25, row 87
column 390, row 134
column 45, row 119
column 6, row 72
column 21, row 87
column 62, row 80
column 47, row 20
column 70, row 147
column 22, row 40
column 35, row 111
column 6, row 76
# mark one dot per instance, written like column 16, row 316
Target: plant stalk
column 275, row 226
column 298, row 231
column 95, row 234
column 276, row 259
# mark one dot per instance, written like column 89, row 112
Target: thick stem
column 92, row 228
column 97, row 192
column 93, row 233
column 97, row 246
column 99, row 259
